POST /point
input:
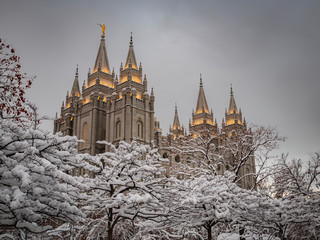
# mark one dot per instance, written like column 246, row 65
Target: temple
column 115, row 108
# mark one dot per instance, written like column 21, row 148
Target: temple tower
column 233, row 117
column 177, row 130
column 202, row 119
column 130, row 109
column 232, row 126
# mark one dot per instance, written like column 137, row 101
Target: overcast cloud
column 268, row 50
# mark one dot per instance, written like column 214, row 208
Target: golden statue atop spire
column 103, row 28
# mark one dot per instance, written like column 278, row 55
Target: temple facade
column 113, row 108
column 109, row 107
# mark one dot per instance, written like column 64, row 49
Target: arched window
column 177, row 158
column 118, row 129
column 140, row 129
column 85, row 134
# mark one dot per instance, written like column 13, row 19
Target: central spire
column 202, row 102
column 102, row 63
column 131, row 58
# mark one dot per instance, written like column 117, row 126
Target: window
column 85, row 134
column 165, row 155
column 140, row 129
column 118, row 129
column 177, row 158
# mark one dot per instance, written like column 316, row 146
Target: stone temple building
column 120, row 108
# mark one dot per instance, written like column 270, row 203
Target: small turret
column 145, row 82
column 116, row 81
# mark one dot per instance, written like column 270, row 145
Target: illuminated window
column 118, row 129
column 85, row 134
column 140, row 129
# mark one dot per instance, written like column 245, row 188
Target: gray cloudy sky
column 268, row 50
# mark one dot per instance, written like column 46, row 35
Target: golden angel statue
column 103, row 28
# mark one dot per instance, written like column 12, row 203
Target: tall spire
column 102, row 62
column 202, row 102
column 232, row 103
column 75, row 91
column 131, row 58
column 176, row 122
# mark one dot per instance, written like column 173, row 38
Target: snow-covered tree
column 128, row 187
column 205, row 153
column 198, row 154
column 291, row 211
column 252, row 147
column 36, row 191
column 203, row 206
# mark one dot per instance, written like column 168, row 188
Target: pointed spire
column 232, row 103
column 152, row 94
column 131, row 58
column 75, row 91
column 102, row 62
column 176, row 122
column 202, row 102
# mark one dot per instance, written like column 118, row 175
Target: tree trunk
column 110, row 231
column 209, row 233
column 241, row 232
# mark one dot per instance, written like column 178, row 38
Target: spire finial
column 201, row 79
column 231, row 91
column 131, row 42
column 175, row 107
column 77, row 70
column 103, row 28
